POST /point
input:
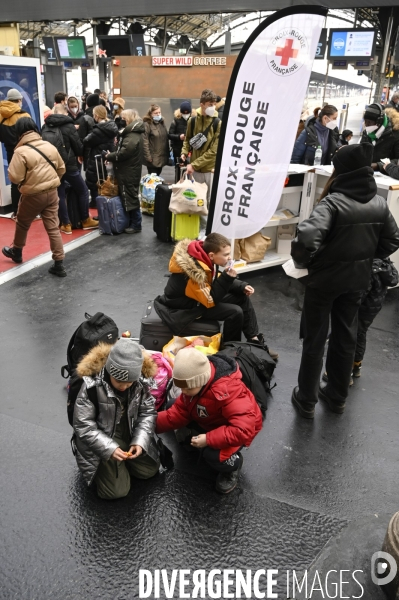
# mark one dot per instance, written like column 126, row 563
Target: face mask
column 157, row 118
column 74, row 110
column 116, row 106
column 210, row 111
column 371, row 128
column 186, row 117
column 331, row 124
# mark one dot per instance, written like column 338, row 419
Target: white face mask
column 186, row 117
column 74, row 110
column 210, row 111
column 331, row 124
column 371, row 128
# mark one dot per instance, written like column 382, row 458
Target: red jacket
column 226, row 409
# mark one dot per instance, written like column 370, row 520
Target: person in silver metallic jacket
column 114, row 418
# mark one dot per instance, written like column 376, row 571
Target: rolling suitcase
column 185, row 226
column 154, row 334
column 112, row 218
column 162, row 215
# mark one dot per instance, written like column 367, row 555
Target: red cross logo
column 286, row 52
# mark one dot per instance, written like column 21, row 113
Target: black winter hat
column 373, row 112
column 346, row 133
column 93, row 100
column 353, row 157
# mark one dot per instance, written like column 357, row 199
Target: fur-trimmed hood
column 181, row 261
column 393, row 116
column 95, row 360
column 177, row 114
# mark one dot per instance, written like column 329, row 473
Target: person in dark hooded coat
column 127, row 160
column 92, row 101
column 101, row 138
column 348, row 228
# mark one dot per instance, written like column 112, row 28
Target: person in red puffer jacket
column 218, row 407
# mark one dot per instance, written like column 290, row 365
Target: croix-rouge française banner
column 263, row 106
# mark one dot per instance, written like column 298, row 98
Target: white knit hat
column 191, row 369
column 14, row 94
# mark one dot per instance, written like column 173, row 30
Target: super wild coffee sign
column 188, row 61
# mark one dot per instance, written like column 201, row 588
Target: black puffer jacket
column 345, row 232
column 127, row 161
column 307, row 143
column 383, row 275
column 101, row 138
column 177, row 128
column 72, row 142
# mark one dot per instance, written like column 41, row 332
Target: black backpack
column 54, row 136
column 256, row 365
column 91, row 332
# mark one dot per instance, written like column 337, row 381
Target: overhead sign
column 250, row 171
column 352, row 43
column 322, row 45
column 172, row 61
column 188, row 61
column 50, row 50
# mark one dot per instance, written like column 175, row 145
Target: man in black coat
column 177, row 133
column 61, row 122
column 349, row 227
column 381, row 133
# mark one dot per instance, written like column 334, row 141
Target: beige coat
column 30, row 171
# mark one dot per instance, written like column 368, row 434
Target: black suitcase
column 154, row 334
column 162, row 215
column 73, row 208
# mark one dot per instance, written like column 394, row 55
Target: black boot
column 14, row 253
column 261, row 342
column 227, row 482
column 305, row 409
column 58, row 268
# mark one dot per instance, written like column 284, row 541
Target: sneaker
column 356, row 369
column 14, row 253
column 66, row 229
column 305, row 409
column 89, row 223
column 58, row 269
column 227, row 482
column 13, row 216
column 333, row 405
column 261, row 342
column 131, row 230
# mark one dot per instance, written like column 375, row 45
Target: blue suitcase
column 112, row 218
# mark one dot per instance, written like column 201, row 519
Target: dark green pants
column 113, row 477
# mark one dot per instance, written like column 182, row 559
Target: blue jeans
column 76, row 182
column 135, row 218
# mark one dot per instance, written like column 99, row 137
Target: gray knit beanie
column 14, row 94
column 125, row 360
column 191, row 369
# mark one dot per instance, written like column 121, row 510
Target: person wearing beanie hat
column 92, row 100
column 114, row 418
column 347, row 229
column 215, row 413
column 344, row 138
column 10, row 112
column 381, row 129
column 177, row 132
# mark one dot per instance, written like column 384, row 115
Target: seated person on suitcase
column 114, row 436
column 195, row 289
column 215, row 412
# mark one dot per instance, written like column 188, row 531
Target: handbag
column 189, row 197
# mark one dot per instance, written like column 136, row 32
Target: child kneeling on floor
column 114, row 419
column 216, row 406
column 197, row 290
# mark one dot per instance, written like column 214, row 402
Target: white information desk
column 299, row 200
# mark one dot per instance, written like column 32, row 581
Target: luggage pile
column 148, row 186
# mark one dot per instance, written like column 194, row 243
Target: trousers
column 210, row 455
column 362, row 329
column 238, row 315
column 46, row 205
column 77, row 183
column 319, row 306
